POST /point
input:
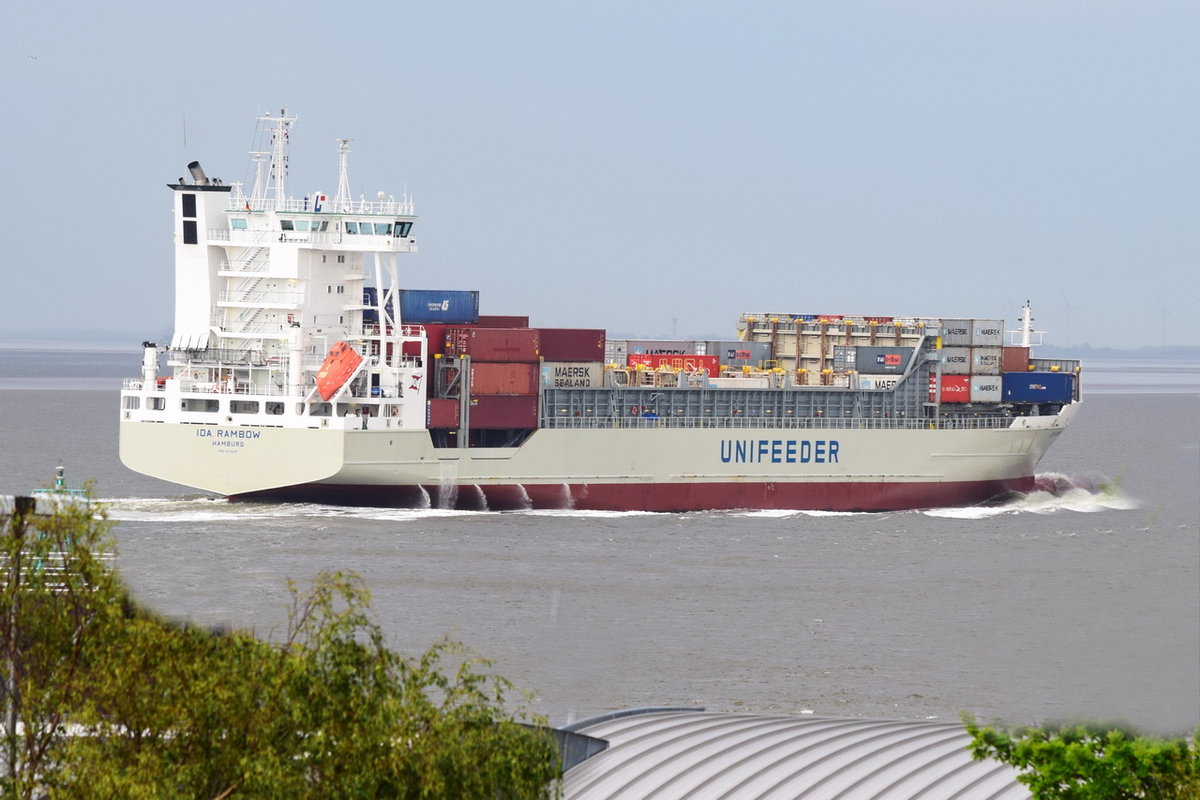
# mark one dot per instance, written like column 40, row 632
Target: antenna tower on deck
column 1025, row 336
column 276, row 179
column 342, row 200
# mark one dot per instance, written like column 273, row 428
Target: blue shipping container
column 1038, row 387
column 451, row 307
column 418, row 306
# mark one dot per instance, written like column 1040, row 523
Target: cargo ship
column 300, row 369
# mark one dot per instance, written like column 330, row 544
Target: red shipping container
column 442, row 413
column 955, row 388
column 687, row 363
column 501, row 321
column 503, row 378
column 1014, row 359
column 494, row 344
column 504, row 411
column 572, row 344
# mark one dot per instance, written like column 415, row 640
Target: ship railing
column 273, row 299
column 252, row 358
column 1070, row 365
column 782, row 423
column 402, row 207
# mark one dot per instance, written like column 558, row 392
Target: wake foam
column 1053, row 492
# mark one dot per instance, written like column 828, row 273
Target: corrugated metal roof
column 697, row 754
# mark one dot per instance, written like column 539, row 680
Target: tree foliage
column 102, row 699
column 1093, row 761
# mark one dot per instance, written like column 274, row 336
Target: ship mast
column 1027, row 333
column 276, row 180
column 342, row 200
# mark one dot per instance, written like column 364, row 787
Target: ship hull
column 667, row 469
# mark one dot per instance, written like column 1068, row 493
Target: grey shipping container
column 956, row 332
column 845, row 358
column 956, row 360
column 986, row 360
column 986, row 389
column 987, row 332
column 882, row 360
column 740, row 354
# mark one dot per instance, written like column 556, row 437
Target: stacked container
column 572, row 357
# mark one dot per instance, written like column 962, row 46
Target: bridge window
column 286, row 225
column 402, row 228
column 383, row 229
column 351, row 227
column 239, row 224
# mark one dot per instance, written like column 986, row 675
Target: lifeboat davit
column 339, row 365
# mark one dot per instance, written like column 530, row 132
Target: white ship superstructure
column 300, row 369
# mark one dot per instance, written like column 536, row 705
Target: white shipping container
column 572, row 374
column 616, row 351
column 956, row 332
column 986, row 360
column 878, row 383
column 756, row 382
column 986, row 389
column 987, row 332
column 956, row 360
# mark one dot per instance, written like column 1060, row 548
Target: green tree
column 105, row 700
column 1093, row 761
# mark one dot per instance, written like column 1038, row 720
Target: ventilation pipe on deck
column 295, row 361
column 198, row 174
column 149, row 364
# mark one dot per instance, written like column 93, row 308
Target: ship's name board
column 779, row 451
column 222, row 437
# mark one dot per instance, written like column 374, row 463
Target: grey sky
column 651, row 168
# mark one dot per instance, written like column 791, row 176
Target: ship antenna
column 342, row 200
column 1026, row 333
column 277, row 173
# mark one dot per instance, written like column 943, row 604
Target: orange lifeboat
column 338, row 367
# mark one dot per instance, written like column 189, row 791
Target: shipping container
column 749, row 382
column 955, row 388
column 739, row 354
column 985, row 360
column 662, row 347
column 987, row 332
column 956, row 360
column 572, row 374
column 1038, row 387
column 686, row 363
column 956, row 332
column 882, row 360
column 986, row 389
column 506, row 377
column 616, row 351
column 878, row 383
column 502, row 321
column 845, row 359
column 421, row 306
column 1014, row 359
column 494, row 344
column 499, row 412
column 442, row 413
column 572, row 344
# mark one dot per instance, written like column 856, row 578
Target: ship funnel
column 198, row 174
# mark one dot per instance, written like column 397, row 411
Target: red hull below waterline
column 659, row 497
